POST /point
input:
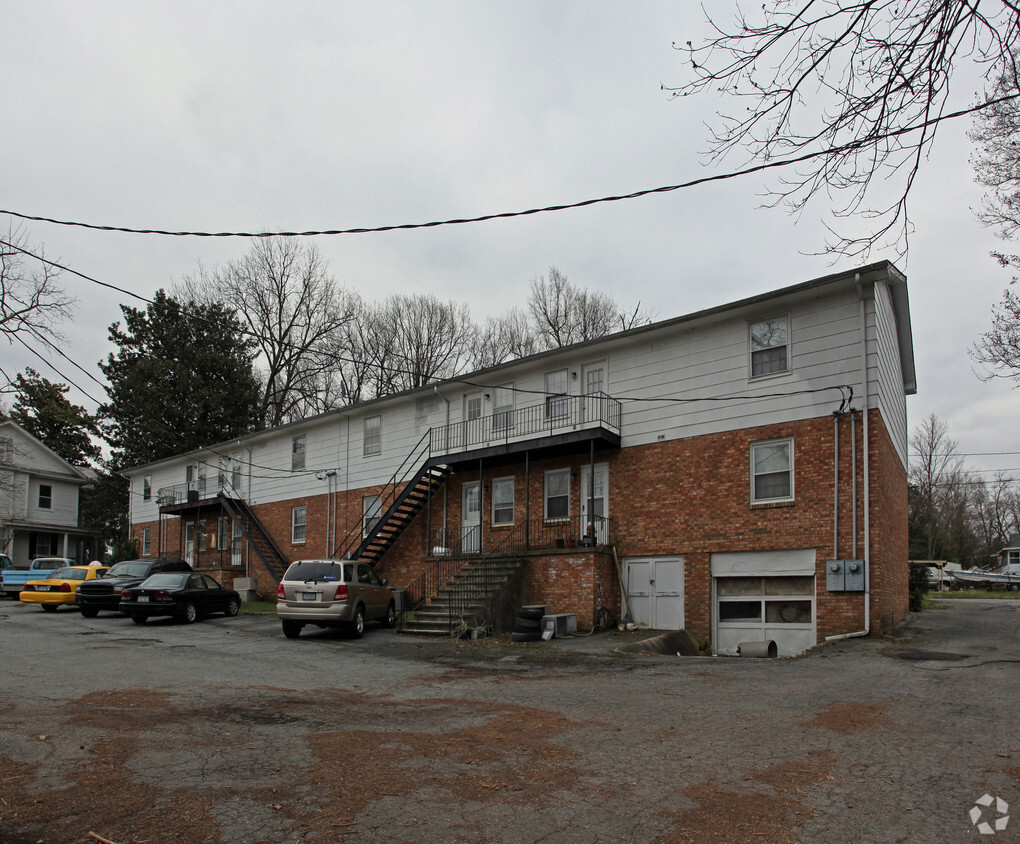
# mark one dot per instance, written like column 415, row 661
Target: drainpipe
column 835, row 488
column 866, row 470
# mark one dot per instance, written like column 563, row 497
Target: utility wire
column 757, row 168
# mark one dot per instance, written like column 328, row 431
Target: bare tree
column 505, row 338
column 564, row 314
column 31, row 303
column 289, row 302
column 852, row 90
column 997, row 160
column 998, row 349
column 414, row 340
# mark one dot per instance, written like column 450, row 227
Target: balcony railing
column 531, row 535
column 557, row 414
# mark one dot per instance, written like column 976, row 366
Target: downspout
column 835, row 488
column 866, row 469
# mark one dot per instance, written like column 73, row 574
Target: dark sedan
column 184, row 595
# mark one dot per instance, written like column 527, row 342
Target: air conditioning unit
column 561, row 624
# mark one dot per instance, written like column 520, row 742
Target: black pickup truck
column 104, row 593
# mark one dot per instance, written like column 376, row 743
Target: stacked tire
column 528, row 624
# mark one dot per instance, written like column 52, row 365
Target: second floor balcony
column 556, row 420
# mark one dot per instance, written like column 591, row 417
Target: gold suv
column 333, row 593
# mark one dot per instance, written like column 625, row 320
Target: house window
column 556, row 390
column 146, row 542
column 770, row 347
column 6, row 449
column 235, row 545
column 201, row 536
column 503, row 406
column 472, row 407
column 503, row 501
column 297, row 453
column 147, row 488
column 373, row 435
column 223, row 532
column 772, row 471
column 557, row 494
column 371, row 510
column 45, row 497
column 297, row 524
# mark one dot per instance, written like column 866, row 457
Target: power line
column 757, row 168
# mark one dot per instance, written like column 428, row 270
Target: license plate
column 43, row 588
column 309, row 596
column 143, row 598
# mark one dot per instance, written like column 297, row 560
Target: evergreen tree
column 181, row 378
column 42, row 408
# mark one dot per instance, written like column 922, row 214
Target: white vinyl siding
column 889, row 372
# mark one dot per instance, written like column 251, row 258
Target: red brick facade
column 678, row 497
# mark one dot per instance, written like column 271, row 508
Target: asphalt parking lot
column 226, row 731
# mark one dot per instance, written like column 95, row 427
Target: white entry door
column 599, row 504
column 655, row 586
column 471, row 518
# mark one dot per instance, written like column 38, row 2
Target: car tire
column 49, row 607
column 233, row 607
column 391, row 616
column 190, row 613
column 357, row 626
column 292, row 629
column 139, row 618
column 89, row 612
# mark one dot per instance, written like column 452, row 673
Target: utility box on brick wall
column 844, row 575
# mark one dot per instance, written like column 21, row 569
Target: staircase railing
column 478, row 580
column 408, row 471
column 262, row 544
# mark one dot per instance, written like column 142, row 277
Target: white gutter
column 867, row 486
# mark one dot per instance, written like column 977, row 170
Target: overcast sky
column 248, row 116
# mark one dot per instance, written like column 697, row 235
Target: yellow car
column 59, row 587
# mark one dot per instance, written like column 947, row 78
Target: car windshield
column 68, row 574
column 129, row 570
column 166, row 580
column 310, row 570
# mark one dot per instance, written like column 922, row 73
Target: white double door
column 655, row 587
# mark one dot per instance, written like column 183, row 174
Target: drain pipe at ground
column 866, row 469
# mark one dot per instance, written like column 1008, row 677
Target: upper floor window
column 147, row 488
column 503, row 406
column 6, row 449
column 503, row 501
column 556, row 390
column 297, row 453
column 45, row 497
column 770, row 346
column 772, row 471
column 298, row 516
column 373, row 435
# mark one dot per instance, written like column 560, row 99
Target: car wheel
column 391, row 616
column 233, row 607
column 292, row 629
column 190, row 613
column 89, row 612
column 49, row 607
column 138, row 618
column 358, row 624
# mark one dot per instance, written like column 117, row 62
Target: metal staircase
column 258, row 538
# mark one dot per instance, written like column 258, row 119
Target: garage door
column 655, row 586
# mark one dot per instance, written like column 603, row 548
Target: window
column 556, row 388
column 371, row 510
column 503, row 501
column 557, row 494
column 472, row 407
column 297, row 453
column 45, row 497
column 146, row 542
column 503, row 406
column 373, row 435
column 6, row 449
column 772, row 471
column 201, row 536
column 223, row 532
column 297, row 524
column 147, row 488
column 770, row 345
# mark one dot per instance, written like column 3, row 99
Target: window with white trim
column 371, row 511
column 45, row 497
column 770, row 346
column 556, row 390
column 146, row 542
column 297, row 453
column 147, row 488
column 557, row 494
column 772, row 471
column 298, row 517
column 503, row 501
column 373, row 435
